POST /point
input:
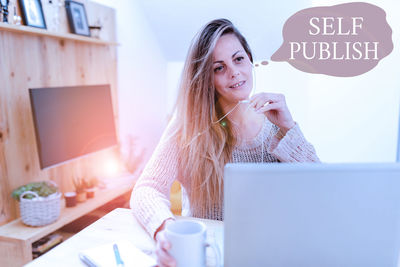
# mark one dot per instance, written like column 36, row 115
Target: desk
column 118, row 224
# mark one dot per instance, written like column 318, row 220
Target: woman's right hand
column 164, row 259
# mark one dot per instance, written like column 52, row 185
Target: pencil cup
column 90, row 192
column 188, row 243
column 70, row 199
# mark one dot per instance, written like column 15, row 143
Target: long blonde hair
column 205, row 147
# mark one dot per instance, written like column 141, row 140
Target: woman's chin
column 244, row 96
column 238, row 97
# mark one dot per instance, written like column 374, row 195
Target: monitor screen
column 71, row 122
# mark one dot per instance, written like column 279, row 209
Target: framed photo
column 32, row 13
column 77, row 18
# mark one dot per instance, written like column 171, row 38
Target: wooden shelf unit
column 43, row 32
column 35, row 58
column 16, row 238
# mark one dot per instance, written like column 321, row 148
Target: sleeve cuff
column 152, row 213
column 152, row 227
column 293, row 147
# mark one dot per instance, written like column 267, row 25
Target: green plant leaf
column 43, row 189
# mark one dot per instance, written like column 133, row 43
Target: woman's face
column 232, row 69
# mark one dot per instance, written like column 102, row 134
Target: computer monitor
column 71, row 122
column 309, row 214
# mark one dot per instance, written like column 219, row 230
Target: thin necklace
column 213, row 122
column 229, row 112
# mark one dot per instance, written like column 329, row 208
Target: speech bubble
column 343, row 40
column 263, row 63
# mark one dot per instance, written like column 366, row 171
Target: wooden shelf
column 16, row 238
column 43, row 32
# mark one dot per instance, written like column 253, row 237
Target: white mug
column 188, row 243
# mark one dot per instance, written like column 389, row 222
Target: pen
column 117, row 256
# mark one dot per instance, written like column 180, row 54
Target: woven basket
column 40, row 211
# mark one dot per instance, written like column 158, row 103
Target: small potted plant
column 40, row 202
column 42, row 189
column 80, row 189
column 91, row 187
column 134, row 158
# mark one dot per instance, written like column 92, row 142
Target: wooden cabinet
column 34, row 58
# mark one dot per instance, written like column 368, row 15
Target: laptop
column 308, row 214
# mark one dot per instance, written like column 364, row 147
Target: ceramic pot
column 81, row 197
column 70, row 199
column 90, row 192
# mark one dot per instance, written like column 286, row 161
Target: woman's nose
column 234, row 72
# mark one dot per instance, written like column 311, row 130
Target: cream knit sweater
column 150, row 197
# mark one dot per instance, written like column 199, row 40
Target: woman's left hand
column 274, row 108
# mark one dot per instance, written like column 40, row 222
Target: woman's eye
column 238, row 59
column 218, row 69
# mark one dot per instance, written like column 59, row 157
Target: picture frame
column 32, row 13
column 77, row 18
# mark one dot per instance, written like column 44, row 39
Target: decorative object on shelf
column 91, row 187
column 32, row 13
column 90, row 192
column 16, row 19
column 70, row 199
column 77, row 18
column 4, row 9
column 13, row 14
column 40, row 202
column 80, row 189
column 95, row 31
column 43, row 189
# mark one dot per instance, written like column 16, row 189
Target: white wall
column 346, row 119
column 174, row 72
column 141, row 77
column 356, row 119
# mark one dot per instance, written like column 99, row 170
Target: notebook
column 103, row 255
column 215, row 234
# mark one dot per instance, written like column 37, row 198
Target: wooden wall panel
column 31, row 61
column 4, row 200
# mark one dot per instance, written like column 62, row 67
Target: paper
column 103, row 255
column 215, row 234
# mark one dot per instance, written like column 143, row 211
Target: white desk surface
column 118, row 224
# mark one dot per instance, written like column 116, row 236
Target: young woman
column 214, row 123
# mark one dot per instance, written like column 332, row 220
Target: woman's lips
column 237, row 85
